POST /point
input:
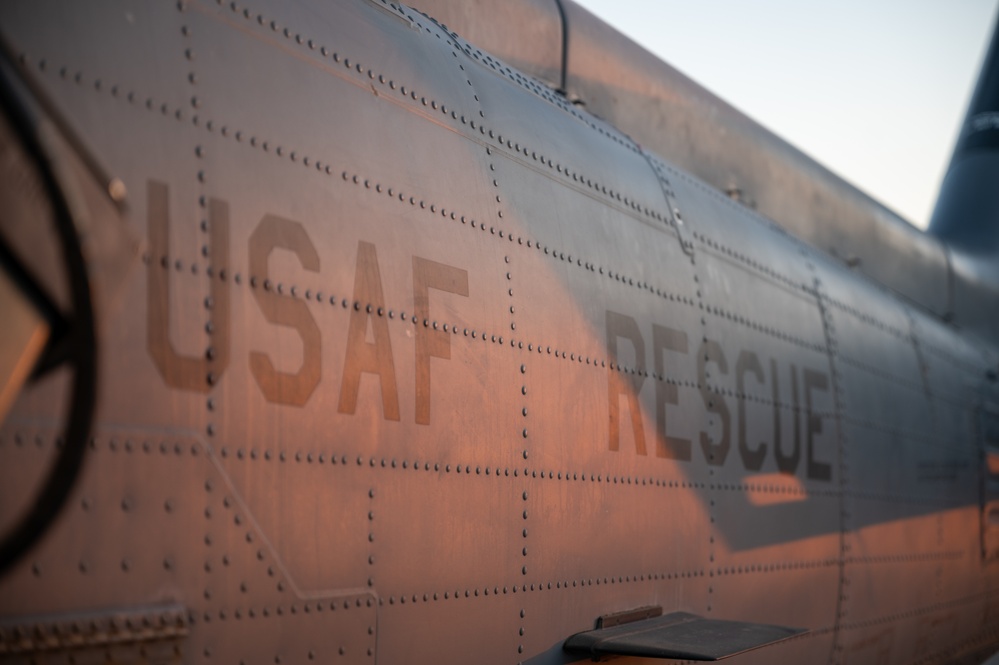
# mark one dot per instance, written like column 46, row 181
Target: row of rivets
column 829, row 329
column 415, row 96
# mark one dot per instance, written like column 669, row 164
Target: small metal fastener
column 116, row 190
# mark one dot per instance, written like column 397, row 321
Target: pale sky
column 874, row 89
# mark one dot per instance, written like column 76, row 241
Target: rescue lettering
column 624, row 336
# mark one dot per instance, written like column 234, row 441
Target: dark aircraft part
column 629, row 616
column 966, row 216
column 678, row 635
column 967, row 213
column 74, row 337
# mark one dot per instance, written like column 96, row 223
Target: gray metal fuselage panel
column 425, row 364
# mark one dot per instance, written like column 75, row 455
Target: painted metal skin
column 665, row 111
column 422, row 363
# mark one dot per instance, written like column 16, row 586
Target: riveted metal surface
column 250, row 576
column 130, row 538
column 112, row 547
column 490, row 26
column 691, row 127
column 32, row 460
column 570, row 279
column 55, row 633
column 329, row 629
column 102, row 554
column 907, row 468
column 425, row 364
column 592, row 542
column 762, row 551
column 604, row 275
column 106, row 106
column 673, row 116
column 543, row 145
column 770, row 449
column 59, row 40
column 111, row 244
column 467, row 624
column 370, row 541
column 953, row 373
column 366, row 275
column 167, row 337
column 956, row 367
column 341, row 72
column 319, row 549
column 471, row 550
column 874, row 354
column 780, row 575
column 631, row 445
column 771, row 357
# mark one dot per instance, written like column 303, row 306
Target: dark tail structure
column 966, row 217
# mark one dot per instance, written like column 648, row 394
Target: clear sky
column 874, row 89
